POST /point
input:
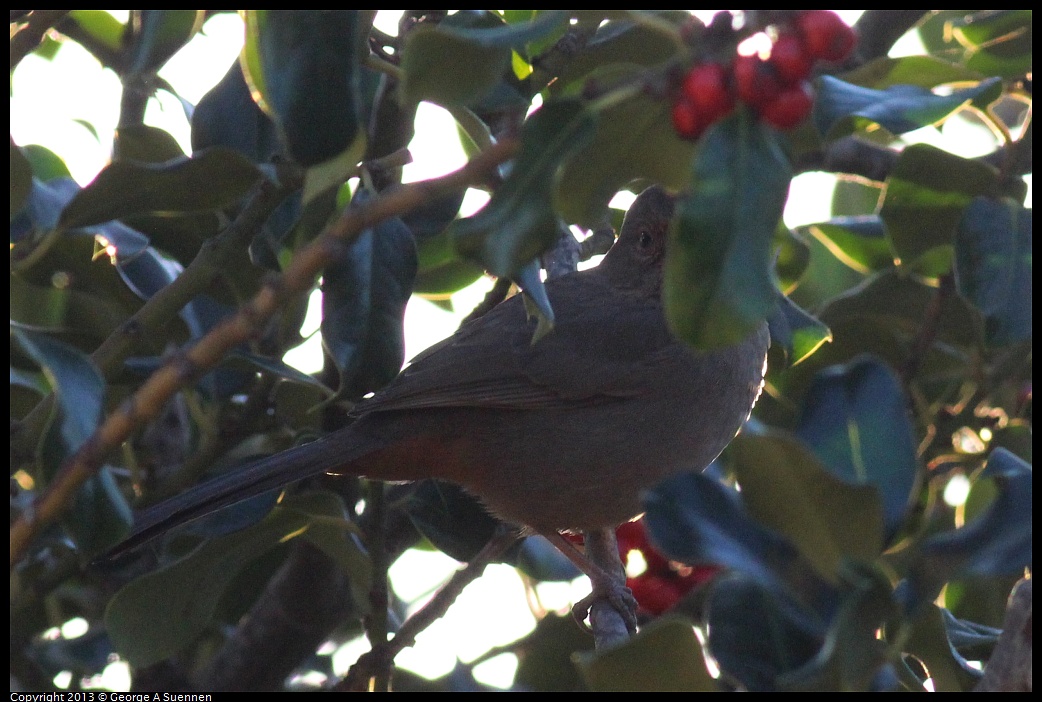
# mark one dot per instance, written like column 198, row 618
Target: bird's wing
column 597, row 352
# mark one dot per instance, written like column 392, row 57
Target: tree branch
column 186, row 367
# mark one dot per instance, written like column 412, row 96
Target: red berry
column 825, row 35
column 687, row 120
column 790, row 58
column 755, row 82
column 705, row 86
column 790, row 107
column 654, row 594
column 630, row 536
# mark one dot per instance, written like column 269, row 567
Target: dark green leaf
column 664, row 657
column 310, row 83
column 929, row 642
column 530, row 281
column 852, row 658
column 995, row 543
column 140, row 142
column 432, row 218
column 926, row 196
column 547, row 664
column 436, row 252
column 451, row 519
column 795, row 331
column 993, row 267
column 513, row 35
column 277, row 368
column 786, row 488
column 634, row 139
column 210, row 180
column 752, row 638
column 540, row 559
column 228, row 116
column 158, row 35
column 100, row 516
column 855, row 419
column 78, row 385
column 841, row 108
column 859, row 242
column 696, row 520
column 718, row 283
column 519, row 222
column 21, row 180
column 890, row 307
column 363, row 306
column 160, row 613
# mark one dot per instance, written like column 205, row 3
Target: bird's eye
column 645, row 240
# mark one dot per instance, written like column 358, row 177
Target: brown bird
column 561, row 434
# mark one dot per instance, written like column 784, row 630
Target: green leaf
column 46, row 164
column 634, row 139
column 792, row 256
column 923, row 71
column 841, row 108
column 998, row 42
column 304, row 65
column 786, row 488
column 664, row 657
column 160, row 613
column 859, row 242
column 101, row 26
column 926, row 197
column 718, row 284
column 519, row 222
column 443, row 67
column 210, row 180
column 158, row 35
column 993, row 267
column 621, row 41
column 795, row 331
column 855, row 419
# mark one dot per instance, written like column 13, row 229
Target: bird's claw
column 618, row 595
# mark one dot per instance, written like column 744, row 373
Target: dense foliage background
column 900, row 372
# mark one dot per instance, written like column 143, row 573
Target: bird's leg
column 608, row 585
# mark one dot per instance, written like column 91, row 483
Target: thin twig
column 380, row 659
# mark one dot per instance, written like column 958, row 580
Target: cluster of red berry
column 663, row 583
column 776, row 88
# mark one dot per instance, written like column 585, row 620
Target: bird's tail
column 231, row 488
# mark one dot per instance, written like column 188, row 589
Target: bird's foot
column 608, row 589
column 606, row 586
